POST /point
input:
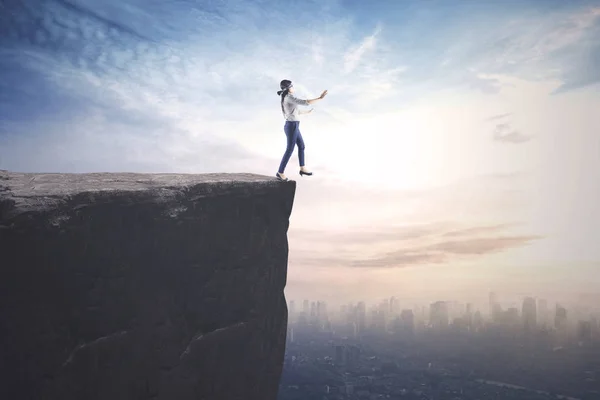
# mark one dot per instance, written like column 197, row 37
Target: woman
column 289, row 107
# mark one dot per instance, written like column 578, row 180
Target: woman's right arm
column 311, row 101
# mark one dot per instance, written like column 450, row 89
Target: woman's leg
column 300, row 144
column 291, row 132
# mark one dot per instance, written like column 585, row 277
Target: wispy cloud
column 498, row 116
column 504, row 133
column 476, row 230
column 480, row 246
column 188, row 74
column 353, row 57
column 444, row 252
column 199, row 66
column 557, row 44
column 408, row 246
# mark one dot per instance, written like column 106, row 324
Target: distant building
column 584, row 332
column 493, row 302
column 394, row 306
column 292, row 311
column 438, row 315
column 529, row 315
column 560, row 318
column 497, row 313
column 352, row 355
column 511, row 317
column 339, row 355
column 361, row 311
column 469, row 316
column 542, row 312
column 378, row 320
column 561, row 324
column 407, row 319
column 595, row 322
column 478, row 322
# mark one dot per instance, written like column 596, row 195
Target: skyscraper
column 560, row 323
column 339, row 355
column 560, row 318
column 493, row 300
column 542, row 312
column 529, row 315
column 394, row 305
column 407, row 318
column 292, row 311
column 584, row 332
column 439, row 317
column 495, row 308
column 361, row 311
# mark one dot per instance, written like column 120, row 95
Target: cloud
column 201, row 75
column 574, row 50
column 498, row 116
column 476, row 230
column 317, row 51
column 175, row 76
column 352, row 58
column 504, row 133
column 480, row 246
column 506, row 176
column 447, row 252
column 367, row 236
column 560, row 43
column 401, row 259
column 87, row 13
column 402, row 246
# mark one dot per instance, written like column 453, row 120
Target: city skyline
column 397, row 304
column 457, row 147
column 442, row 351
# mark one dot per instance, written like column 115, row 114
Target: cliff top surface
column 37, row 191
column 48, row 184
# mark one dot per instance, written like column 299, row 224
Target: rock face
column 142, row 286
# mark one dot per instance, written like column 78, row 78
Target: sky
column 457, row 150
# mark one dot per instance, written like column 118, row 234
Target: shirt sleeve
column 293, row 99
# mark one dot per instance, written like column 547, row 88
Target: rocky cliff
column 142, row 286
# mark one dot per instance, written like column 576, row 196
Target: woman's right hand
column 323, row 94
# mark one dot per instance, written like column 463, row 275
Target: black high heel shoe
column 280, row 178
column 305, row 173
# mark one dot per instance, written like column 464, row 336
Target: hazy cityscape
column 527, row 348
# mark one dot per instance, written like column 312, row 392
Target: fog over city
column 394, row 348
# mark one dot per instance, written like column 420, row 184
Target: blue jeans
column 294, row 137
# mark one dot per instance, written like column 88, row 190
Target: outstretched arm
column 321, row 97
column 300, row 102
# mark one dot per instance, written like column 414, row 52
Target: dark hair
column 285, row 86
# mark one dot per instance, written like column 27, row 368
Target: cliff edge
column 142, row 286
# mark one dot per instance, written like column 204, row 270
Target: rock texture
column 139, row 286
